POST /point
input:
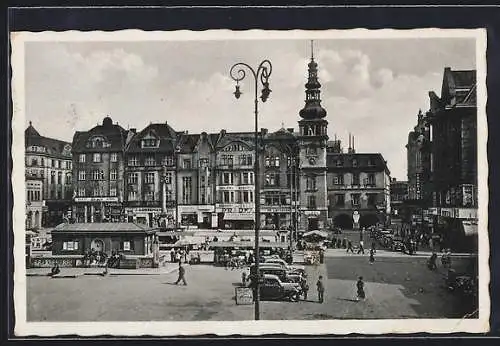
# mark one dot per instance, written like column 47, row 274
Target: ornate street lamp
column 262, row 74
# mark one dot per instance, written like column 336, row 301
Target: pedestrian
column 360, row 285
column 361, row 248
column 349, row 247
column 305, row 287
column 431, row 264
column 182, row 273
column 172, row 255
column 372, row 256
column 177, row 257
column 373, row 247
column 244, row 278
column 321, row 289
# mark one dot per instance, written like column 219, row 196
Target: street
column 396, row 285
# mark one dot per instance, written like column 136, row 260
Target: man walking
column 321, row 289
column 349, row 246
column 182, row 272
column 361, row 248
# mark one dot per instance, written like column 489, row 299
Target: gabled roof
column 163, row 132
column 377, row 161
column 187, row 143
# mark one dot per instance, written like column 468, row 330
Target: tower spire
column 312, row 109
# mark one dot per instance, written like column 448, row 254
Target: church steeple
column 312, row 108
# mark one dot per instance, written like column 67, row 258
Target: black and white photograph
column 252, row 182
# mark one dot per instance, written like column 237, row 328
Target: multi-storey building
column 279, row 186
column 357, row 183
column 35, row 204
column 150, row 175
column 50, row 160
column 453, row 119
column 98, row 168
column 312, row 142
column 399, row 194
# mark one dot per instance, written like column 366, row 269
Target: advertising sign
column 244, row 296
column 96, row 199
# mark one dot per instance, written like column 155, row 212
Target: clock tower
column 313, row 139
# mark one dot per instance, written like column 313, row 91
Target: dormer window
column 150, row 143
column 98, row 142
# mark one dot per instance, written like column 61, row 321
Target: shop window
column 81, row 158
column 70, row 245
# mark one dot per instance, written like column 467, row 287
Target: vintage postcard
column 249, row 183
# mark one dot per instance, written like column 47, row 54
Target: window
column 133, row 161
column 34, row 162
column 227, row 178
column 81, row 192
column 227, row 160
column 52, row 177
column 186, row 164
column 204, row 163
column 267, row 161
column 168, row 160
column 70, row 245
column 69, row 179
column 371, row 162
column 59, row 177
column 338, row 179
column 355, row 199
column 245, row 160
column 114, row 157
column 311, row 183
column 149, row 143
column 355, row 179
column 53, row 163
column 96, row 192
column 168, row 177
column 277, row 161
column 133, row 178
column 95, row 174
column 96, row 157
column 132, row 195
column 59, row 164
column 339, row 200
column 371, row 179
column 42, row 162
column 113, row 174
column 149, row 178
column 69, row 164
column 247, row 196
column 150, row 161
column 372, row 199
column 81, row 158
column 186, row 190
column 150, row 195
column 82, row 175
column 127, row 245
column 112, row 191
column 228, row 196
column 311, row 202
column 246, row 178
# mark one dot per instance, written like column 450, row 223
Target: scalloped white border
column 227, row 328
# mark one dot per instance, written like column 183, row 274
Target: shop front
column 276, row 218
column 197, row 216
column 235, row 216
column 97, row 209
column 148, row 216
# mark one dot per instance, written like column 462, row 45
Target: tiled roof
column 164, row 132
column 101, row 227
column 114, row 134
column 52, row 146
column 362, row 159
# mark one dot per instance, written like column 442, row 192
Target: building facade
column 99, row 172
column 357, row 183
column 50, row 161
column 35, row 204
column 399, row 194
column 453, row 120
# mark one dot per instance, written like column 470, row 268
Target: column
column 92, row 211
column 164, row 197
column 85, row 214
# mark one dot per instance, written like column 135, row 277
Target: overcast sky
column 371, row 88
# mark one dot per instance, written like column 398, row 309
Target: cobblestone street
column 397, row 286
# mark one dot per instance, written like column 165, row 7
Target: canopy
column 316, row 234
column 246, row 244
column 188, row 241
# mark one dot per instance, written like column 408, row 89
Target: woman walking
column 360, row 285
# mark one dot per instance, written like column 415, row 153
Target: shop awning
column 189, row 241
column 246, row 244
column 316, row 234
column 239, row 216
column 470, row 227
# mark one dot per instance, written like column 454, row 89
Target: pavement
column 167, row 268
column 397, row 286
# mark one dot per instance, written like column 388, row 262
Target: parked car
column 285, row 265
column 272, row 288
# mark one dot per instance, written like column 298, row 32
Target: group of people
column 320, row 287
column 94, row 258
column 445, row 260
column 179, row 255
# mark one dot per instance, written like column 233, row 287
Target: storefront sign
column 244, row 296
column 96, row 199
column 275, row 209
column 235, row 188
column 143, row 210
column 239, row 216
column 312, row 212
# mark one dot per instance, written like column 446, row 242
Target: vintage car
column 272, row 288
column 397, row 244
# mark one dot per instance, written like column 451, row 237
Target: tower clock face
column 312, row 160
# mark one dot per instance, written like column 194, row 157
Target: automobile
column 272, row 288
column 294, row 277
column 285, row 265
column 276, row 269
column 397, row 244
